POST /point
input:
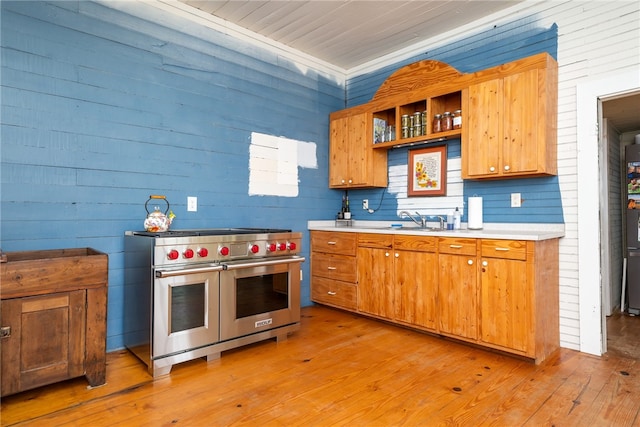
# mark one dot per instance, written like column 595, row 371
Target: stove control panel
column 205, row 249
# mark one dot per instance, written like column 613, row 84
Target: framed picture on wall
column 427, row 175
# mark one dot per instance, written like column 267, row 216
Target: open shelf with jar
column 414, row 122
column 384, row 126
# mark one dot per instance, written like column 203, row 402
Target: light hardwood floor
column 342, row 369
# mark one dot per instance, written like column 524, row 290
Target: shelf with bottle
column 384, row 126
column 416, row 120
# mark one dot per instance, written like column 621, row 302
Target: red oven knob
column 254, row 248
column 203, row 252
column 271, row 247
column 282, row 246
column 223, row 250
column 292, row 246
column 188, row 253
column 173, row 254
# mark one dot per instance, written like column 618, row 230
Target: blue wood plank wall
column 498, row 44
column 100, row 109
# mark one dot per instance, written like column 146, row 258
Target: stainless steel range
column 196, row 293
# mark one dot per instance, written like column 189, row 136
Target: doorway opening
column 619, row 123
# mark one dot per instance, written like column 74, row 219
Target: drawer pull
column 331, row 243
column 456, row 246
column 331, row 292
column 332, row 268
column 502, row 249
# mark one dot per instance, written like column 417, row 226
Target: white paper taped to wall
column 274, row 163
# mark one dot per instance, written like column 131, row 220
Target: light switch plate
column 192, row 204
column 516, row 200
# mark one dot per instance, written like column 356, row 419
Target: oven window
column 187, row 307
column 261, row 294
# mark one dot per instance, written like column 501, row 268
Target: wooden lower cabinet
column 502, row 294
column 333, row 269
column 416, row 278
column 519, row 296
column 375, row 275
column 49, row 340
column 458, row 288
column 53, row 318
column 506, row 305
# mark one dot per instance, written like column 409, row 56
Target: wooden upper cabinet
column 352, row 161
column 509, row 121
column 510, row 128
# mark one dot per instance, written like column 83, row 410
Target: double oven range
column 195, row 293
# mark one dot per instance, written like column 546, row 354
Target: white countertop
column 514, row 231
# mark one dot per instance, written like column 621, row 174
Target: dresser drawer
column 415, row 243
column 448, row 245
column 334, row 242
column 372, row 240
column 337, row 267
column 333, row 292
column 507, row 249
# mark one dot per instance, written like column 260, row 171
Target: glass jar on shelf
column 417, row 124
column 457, row 119
column 447, row 122
column 437, row 123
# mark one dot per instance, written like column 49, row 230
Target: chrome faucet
column 423, row 219
column 441, row 220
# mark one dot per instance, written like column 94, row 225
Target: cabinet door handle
column 397, row 255
column 331, row 243
column 5, row 332
column 456, row 246
column 331, row 268
column 485, row 263
column 492, row 169
column 502, row 249
column 386, row 254
column 507, row 167
column 470, row 262
column 331, row 292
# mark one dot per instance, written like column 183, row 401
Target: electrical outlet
column 365, row 204
column 192, row 204
column 516, row 200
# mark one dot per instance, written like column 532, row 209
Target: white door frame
column 592, row 319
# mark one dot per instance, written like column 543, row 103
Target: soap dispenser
column 456, row 219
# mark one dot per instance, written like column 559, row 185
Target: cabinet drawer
column 372, row 240
column 508, row 249
column 334, row 292
column 447, row 245
column 336, row 267
column 334, row 242
column 415, row 243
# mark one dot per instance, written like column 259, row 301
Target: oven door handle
column 264, row 263
column 170, row 273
